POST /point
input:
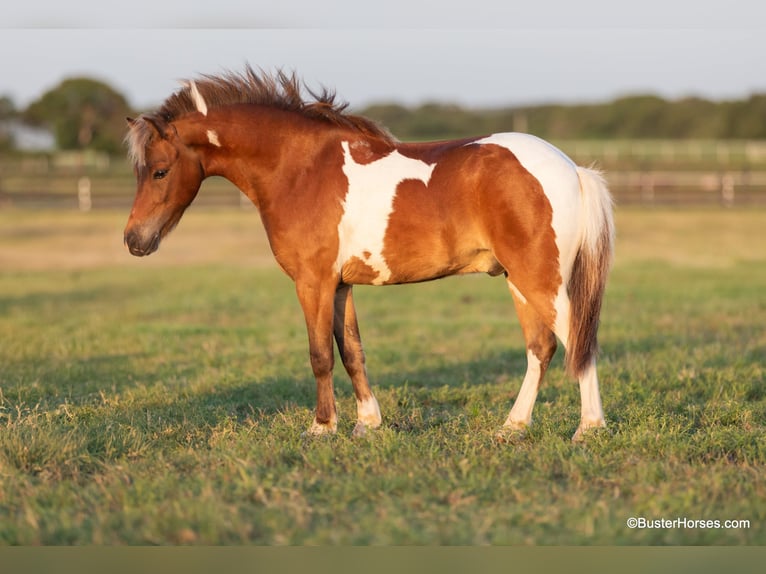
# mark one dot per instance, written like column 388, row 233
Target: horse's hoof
column 587, row 433
column 360, row 430
column 316, row 429
column 511, row 435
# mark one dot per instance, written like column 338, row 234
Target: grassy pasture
column 161, row 401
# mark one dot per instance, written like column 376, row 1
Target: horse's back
column 553, row 169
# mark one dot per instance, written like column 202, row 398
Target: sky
column 477, row 53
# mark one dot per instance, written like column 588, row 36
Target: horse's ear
column 130, row 121
column 159, row 126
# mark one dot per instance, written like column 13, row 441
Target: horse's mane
column 281, row 90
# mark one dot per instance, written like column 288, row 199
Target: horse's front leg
column 349, row 342
column 317, row 300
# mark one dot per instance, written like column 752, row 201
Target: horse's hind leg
column 346, row 331
column 540, row 345
column 591, row 409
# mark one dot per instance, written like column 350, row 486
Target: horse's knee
column 322, row 362
column 354, row 362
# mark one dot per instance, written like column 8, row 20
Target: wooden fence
column 689, row 172
column 675, row 154
column 728, row 188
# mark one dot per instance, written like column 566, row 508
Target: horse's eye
column 160, row 173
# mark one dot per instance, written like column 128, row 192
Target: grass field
column 161, row 401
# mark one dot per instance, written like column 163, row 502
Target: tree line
column 81, row 113
column 84, row 113
column 631, row 117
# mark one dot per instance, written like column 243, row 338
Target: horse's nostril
column 154, row 244
column 140, row 247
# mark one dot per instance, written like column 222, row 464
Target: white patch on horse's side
column 199, row 101
column 368, row 205
column 212, row 137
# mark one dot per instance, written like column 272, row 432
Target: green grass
column 149, row 402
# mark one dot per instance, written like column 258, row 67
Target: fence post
column 647, row 187
column 83, row 194
column 727, row 189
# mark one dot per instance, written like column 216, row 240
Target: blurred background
column 669, row 101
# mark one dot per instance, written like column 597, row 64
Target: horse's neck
column 241, row 145
column 262, row 150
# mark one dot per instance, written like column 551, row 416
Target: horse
column 344, row 203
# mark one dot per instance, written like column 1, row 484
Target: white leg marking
column 212, row 137
column 368, row 412
column 592, row 413
column 368, row 416
column 520, row 416
column 368, row 205
column 562, row 306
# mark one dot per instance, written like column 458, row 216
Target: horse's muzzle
column 139, row 245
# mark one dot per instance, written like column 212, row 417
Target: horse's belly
column 419, row 267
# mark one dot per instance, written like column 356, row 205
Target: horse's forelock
column 137, row 138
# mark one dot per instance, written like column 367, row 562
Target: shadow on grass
column 49, row 383
column 107, row 408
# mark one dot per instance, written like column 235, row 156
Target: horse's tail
column 587, row 280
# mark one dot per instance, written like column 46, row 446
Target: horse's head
column 169, row 175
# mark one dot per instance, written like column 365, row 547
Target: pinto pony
column 344, row 203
